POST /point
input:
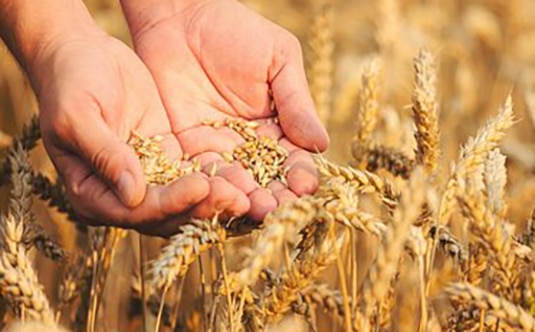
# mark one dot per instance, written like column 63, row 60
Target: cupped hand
column 216, row 59
column 93, row 92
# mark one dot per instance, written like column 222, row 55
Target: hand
column 93, row 91
column 216, row 59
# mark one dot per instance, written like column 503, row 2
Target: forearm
column 31, row 28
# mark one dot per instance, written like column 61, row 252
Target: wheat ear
column 497, row 306
column 377, row 281
column 320, row 62
column 473, row 156
column 368, row 106
column 194, row 238
column 280, row 226
column 425, row 111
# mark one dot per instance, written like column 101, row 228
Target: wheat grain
column 262, row 156
column 158, row 168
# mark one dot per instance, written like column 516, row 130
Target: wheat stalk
column 376, row 283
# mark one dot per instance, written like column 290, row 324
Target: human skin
column 93, row 91
column 214, row 59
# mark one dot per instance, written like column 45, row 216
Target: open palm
column 216, row 59
column 86, row 121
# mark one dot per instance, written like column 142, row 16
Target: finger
column 292, row 97
column 302, row 174
column 270, row 130
column 238, row 176
column 92, row 198
column 171, row 148
column 223, row 199
column 208, row 159
column 106, row 154
column 233, row 172
column 165, row 229
column 203, row 139
column 281, row 192
column 262, row 202
column 289, row 146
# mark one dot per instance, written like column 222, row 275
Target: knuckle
column 100, row 157
column 292, row 43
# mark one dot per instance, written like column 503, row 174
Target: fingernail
column 126, row 187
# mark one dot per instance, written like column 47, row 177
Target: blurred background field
column 484, row 50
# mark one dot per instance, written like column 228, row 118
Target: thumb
column 295, row 106
column 112, row 159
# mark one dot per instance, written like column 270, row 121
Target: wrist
column 141, row 15
column 33, row 30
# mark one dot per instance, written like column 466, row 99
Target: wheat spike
column 495, row 177
column 393, row 161
column 529, row 99
column 497, row 306
column 346, row 100
column 194, row 238
column 473, row 156
column 54, row 193
column 32, row 327
column 388, row 27
column 302, row 273
column 376, row 283
column 331, row 300
column 31, row 133
column 368, row 107
column 280, row 226
column 425, row 111
column 320, row 69
column 366, row 182
column 18, row 280
column 491, row 231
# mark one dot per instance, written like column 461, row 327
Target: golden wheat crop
column 424, row 219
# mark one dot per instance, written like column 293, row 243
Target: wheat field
column 424, row 219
